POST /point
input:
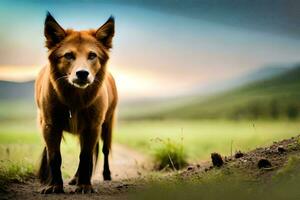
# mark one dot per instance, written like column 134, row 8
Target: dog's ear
column 53, row 32
column 106, row 32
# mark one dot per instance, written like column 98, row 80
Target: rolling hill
column 16, row 91
column 277, row 97
column 254, row 75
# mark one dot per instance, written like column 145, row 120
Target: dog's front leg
column 88, row 141
column 52, row 137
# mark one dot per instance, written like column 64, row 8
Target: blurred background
column 215, row 75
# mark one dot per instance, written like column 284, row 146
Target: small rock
column 281, row 149
column 227, row 159
column 122, row 186
column 217, row 160
column 119, row 187
column 264, row 163
column 238, row 154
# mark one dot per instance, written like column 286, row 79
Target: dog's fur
column 65, row 103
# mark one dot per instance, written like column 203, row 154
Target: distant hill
column 16, row 91
column 151, row 107
column 17, row 100
column 277, row 97
column 246, row 78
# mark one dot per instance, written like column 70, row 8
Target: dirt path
column 126, row 164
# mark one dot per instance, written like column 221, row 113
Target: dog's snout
column 82, row 74
column 81, row 78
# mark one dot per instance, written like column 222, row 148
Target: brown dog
column 74, row 93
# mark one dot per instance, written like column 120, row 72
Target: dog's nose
column 82, row 74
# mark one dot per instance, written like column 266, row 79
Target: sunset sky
column 159, row 50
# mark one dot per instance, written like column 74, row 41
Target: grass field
column 200, row 138
column 21, row 144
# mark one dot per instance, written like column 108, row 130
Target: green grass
column 290, row 170
column 14, row 171
column 21, row 145
column 200, row 138
column 17, row 109
column 170, row 154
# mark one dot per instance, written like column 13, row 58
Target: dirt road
column 125, row 165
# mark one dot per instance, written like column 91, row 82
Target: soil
column 130, row 167
column 126, row 166
column 260, row 163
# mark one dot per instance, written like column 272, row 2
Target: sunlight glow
column 18, row 73
column 135, row 84
column 130, row 84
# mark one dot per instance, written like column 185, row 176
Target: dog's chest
column 73, row 122
column 78, row 121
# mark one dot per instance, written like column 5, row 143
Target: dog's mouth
column 80, row 83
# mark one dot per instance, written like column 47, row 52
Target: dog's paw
column 53, row 189
column 84, row 189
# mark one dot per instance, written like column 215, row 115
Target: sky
column 161, row 48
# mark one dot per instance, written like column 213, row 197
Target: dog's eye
column 69, row 56
column 92, row 56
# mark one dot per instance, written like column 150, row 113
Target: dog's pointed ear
column 106, row 32
column 53, row 32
